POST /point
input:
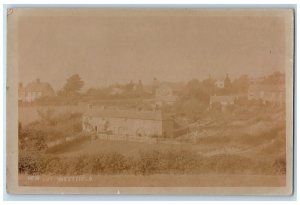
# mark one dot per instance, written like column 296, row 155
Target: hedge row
column 177, row 162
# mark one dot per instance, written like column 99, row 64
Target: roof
column 37, row 86
column 267, row 87
column 129, row 114
column 222, row 98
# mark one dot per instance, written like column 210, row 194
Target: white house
column 34, row 90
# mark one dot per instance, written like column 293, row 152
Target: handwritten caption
column 60, row 178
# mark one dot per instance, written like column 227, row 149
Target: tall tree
column 140, row 87
column 129, row 86
column 73, row 85
column 241, row 84
column 227, row 82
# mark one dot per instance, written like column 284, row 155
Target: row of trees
column 194, row 98
column 74, row 84
column 201, row 90
column 194, row 87
column 194, row 92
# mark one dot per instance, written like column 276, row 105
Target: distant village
column 155, row 110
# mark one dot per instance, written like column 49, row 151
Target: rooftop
column 37, row 86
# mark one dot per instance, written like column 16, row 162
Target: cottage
column 224, row 101
column 127, row 122
column 271, row 93
column 116, row 91
column 34, row 90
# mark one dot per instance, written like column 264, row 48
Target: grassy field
column 264, row 145
column 157, row 180
column 134, row 148
column 125, row 148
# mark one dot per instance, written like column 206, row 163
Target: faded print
column 154, row 100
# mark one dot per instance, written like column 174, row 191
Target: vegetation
column 263, row 139
column 35, row 136
column 154, row 162
column 72, row 86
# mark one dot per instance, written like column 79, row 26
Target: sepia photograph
column 150, row 101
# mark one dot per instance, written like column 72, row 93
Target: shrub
column 154, row 162
column 279, row 166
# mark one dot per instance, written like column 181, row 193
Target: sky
column 107, row 49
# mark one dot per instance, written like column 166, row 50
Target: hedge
column 154, row 162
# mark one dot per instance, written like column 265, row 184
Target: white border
column 212, row 3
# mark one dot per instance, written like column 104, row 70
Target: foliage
column 46, row 116
column 274, row 78
column 32, row 140
column 151, row 162
column 34, row 137
column 73, row 85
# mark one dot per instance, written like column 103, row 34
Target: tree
column 227, row 83
column 140, row 87
column 193, row 88
column 241, row 84
column 197, row 90
column 73, row 85
column 209, row 85
column 129, row 87
column 275, row 78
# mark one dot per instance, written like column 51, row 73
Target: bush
column 154, row 162
column 31, row 164
column 279, row 166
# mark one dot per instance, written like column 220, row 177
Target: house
column 166, row 93
column 116, row 91
column 272, row 93
column 127, row 122
column 34, row 90
column 21, row 93
column 220, row 83
column 223, row 101
column 223, row 82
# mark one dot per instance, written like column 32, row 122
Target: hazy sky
column 105, row 50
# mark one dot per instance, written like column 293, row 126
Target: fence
column 125, row 138
column 129, row 138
